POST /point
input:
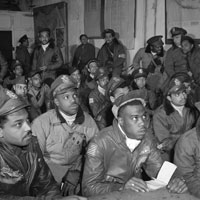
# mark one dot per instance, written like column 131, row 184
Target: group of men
column 100, row 130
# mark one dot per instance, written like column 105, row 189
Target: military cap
column 20, row 80
column 140, row 72
column 101, row 72
column 155, row 40
column 128, row 98
column 183, row 77
column 174, row 86
column 114, row 83
column 34, row 72
column 23, row 38
column 108, row 31
column 188, row 38
column 177, row 31
column 15, row 64
column 44, row 30
column 62, row 84
column 10, row 102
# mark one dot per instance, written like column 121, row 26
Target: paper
column 164, row 176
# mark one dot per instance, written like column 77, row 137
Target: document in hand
column 164, row 176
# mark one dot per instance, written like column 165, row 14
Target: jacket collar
column 80, row 117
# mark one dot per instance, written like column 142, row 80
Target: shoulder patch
column 92, row 150
column 91, row 100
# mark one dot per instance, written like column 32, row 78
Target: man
column 152, row 59
column 115, row 158
column 174, row 117
column 192, row 52
column 47, row 57
column 112, row 54
column 23, row 171
column 99, row 104
column 62, row 133
column 39, row 92
column 23, row 55
column 3, row 67
column 84, row 52
column 187, row 153
column 175, row 60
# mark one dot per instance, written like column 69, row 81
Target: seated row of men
column 88, row 162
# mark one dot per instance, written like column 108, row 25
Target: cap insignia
column 140, row 71
column 177, row 82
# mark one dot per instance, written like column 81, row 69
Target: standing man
column 175, row 60
column 63, row 133
column 112, row 54
column 84, row 52
column 47, row 57
column 22, row 54
column 116, row 157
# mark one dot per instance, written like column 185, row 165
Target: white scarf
column 44, row 46
column 131, row 143
column 102, row 90
column 68, row 118
column 178, row 108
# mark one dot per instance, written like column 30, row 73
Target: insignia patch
column 91, row 100
column 92, row 150
column 140, row 71
column 11, row 94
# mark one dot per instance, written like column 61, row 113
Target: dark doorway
column 6, row 45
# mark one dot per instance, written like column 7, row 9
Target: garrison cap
column 44, row 30
column 188, row 38
column 23, row 38
column 34, row 72
column 62, row 84
column 177, row 31
column 140, row 72
column 183, row 77
column 20, row 80
column 10, row 102
column 15, row 64
column 155, row 40
column 130, row 97
column 101, row 72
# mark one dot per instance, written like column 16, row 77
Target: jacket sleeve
column 120, row 57
column 43, row 184
column 93, row 182
column 168, row 64
column 137, row 59
column 188, row 161
column 58, row 60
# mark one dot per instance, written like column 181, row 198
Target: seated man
column 187, row 156
column 115, row 158
column 62, row 132
column 23, row 171
column 99, row 104
column 174, row 117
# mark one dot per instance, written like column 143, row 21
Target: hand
column 43, row 68
column 166, row 145
column 177, row 185
column 70, row 183
column 136, row 184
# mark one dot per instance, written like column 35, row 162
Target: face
column 16, row 130
column 44, row 37
column 67, row 102
column 103, row 82
column 186, row 46
column 141, row 81
column 26, row 43
column 156, row 48
column 36, row 81
column 119, row 92
column 20, row 89
column 188, row 87
column 84, row 40
column 92, row 68
column 178, row 99
column 18, row 71
column 177, row 40
column 134, row 121
column 108, row 38
column 77, row 76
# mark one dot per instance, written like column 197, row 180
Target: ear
column 14, row 87
column 120, row 121
column 56, row 101
column 169, row 98
column 1, row 133
column 112, row 99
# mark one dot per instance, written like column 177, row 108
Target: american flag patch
column 92, row 150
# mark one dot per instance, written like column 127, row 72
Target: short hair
column 135, row 102
column 83, row 35
column 3, row 120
